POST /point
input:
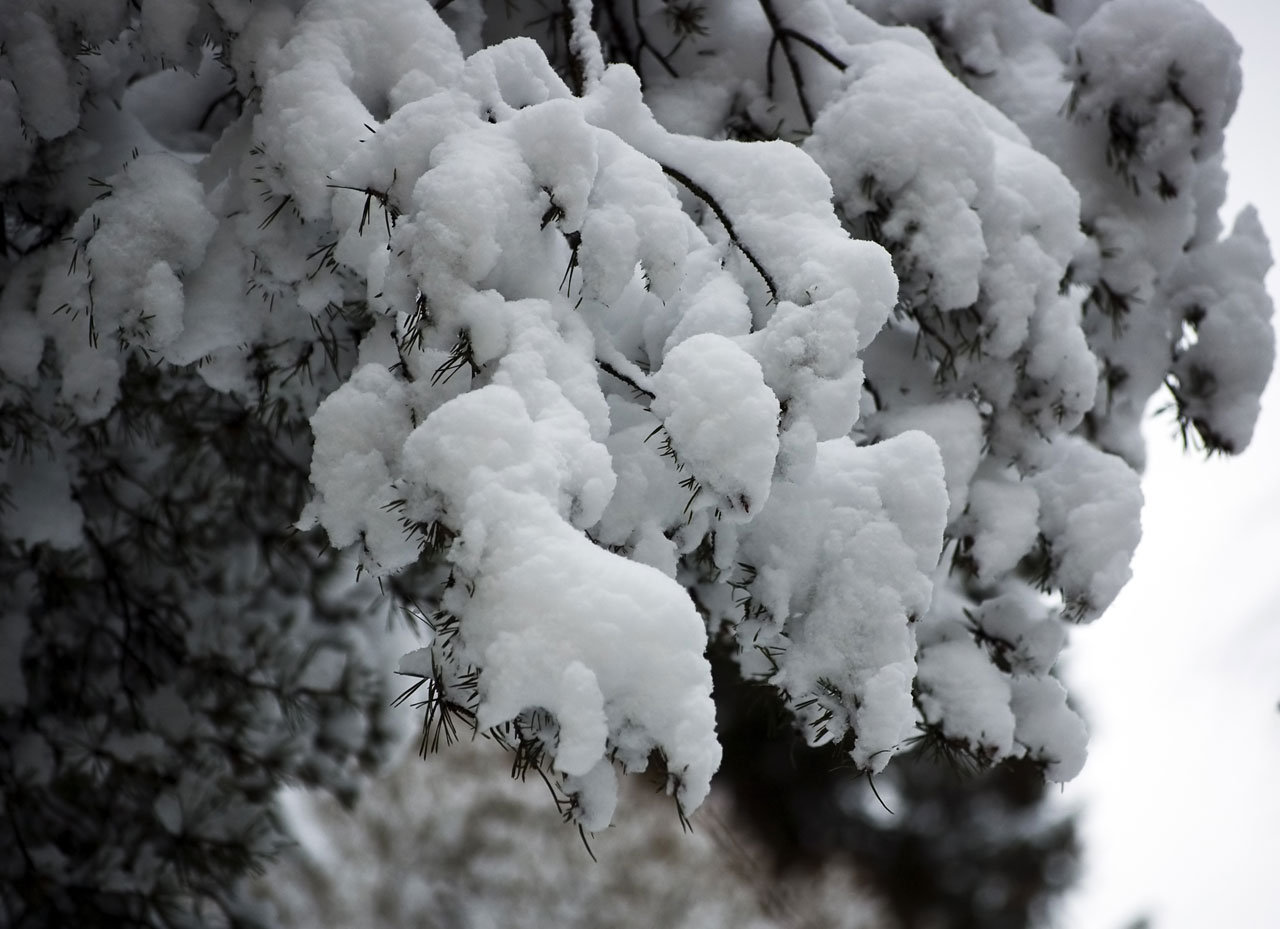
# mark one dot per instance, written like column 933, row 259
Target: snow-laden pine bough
column 811, row 330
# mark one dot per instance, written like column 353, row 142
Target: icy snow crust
column 853, row 405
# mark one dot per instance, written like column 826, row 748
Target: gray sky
column 1181, row 679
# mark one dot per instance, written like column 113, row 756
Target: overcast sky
column 1181, row 679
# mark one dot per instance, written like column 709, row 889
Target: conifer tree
column 579, row 337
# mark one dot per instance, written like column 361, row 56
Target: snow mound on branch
column 966, row 695
column 612, row 648
column 1090, row 518
column 932, row 162
column 1165, row 71
column 1049, row 729
column 957, row 429
column 542, row 263
column 1026, row 633
column 711, row 396
column 986, row 683
column 841, row 565
column 982, row 229
column 825, row 295
column 359, row 430
column 1000, row 525
column 1225, row 359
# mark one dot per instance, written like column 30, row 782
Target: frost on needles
column 815, row 331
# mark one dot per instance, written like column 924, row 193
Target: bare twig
column 645, row 45
column 782, row 36
column 700, row 192
column 614, row 372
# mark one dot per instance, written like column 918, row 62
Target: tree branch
column 630, row 382
column 818, row 47
column 644, row 44
column 781, row 35
column 700, row 192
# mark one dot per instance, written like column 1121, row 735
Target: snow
column 162, row 305
column 1051, row 731
column 40, row 75
column 417, row 663
column 213, row 320
column 558, row 623
column 165, row 25
column 358, row 431
column 1133, row 50
column 779, row 201
column 987, row 684
column 501, row 224
column 932, row 161
column 598, row 380
column 1090, row 507
column 957, row 429
column 597, row 793
column 169, row 713
column 168, row 810
column 721, row 417
column 1034, row 632
column 584, row 44
column 968, row 696
column 1222, row 372
column 1001, row 524
column 843, row 564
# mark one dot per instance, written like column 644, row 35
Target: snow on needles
column 856, row 400
column 512, row 222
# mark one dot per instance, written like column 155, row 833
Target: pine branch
column 645, row 45
column 782, row 36
column 614, row 372
column 701, row 193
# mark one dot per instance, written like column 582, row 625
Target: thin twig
column 781, row 35
column 818, row 47
column 614, row 372
column 644, row 43
column 700, row 192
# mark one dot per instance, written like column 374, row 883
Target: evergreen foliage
column 579, row 337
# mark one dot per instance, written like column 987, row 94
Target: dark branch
column 782, row 36
column 644, row 44
column 614, row 372
column 780, row 39
column 698, row 191
column 818, row 47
